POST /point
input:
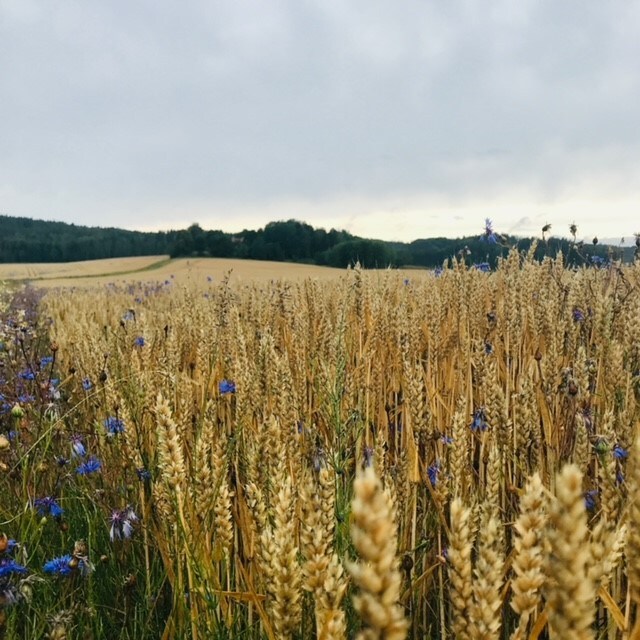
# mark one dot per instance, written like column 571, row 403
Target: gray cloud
column 178, row 111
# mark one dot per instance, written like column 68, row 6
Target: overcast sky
column 391, row 119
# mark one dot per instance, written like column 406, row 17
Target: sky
column 392, row 120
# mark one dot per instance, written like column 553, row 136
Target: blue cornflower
column 479, row 422
column 48, row 506
column 9, row 566
column 619, row 477
column 78, row 446
column 484, row 267
column 406, row 282
column 590, row 499
column 114, row 425
column 143, row 474
column 438, row 271
column 90, row 466
column 26, row 398
column 578, row 314
column 45, row 361
column 620, row 453
column 60, row 566
column 227, row 386
column 446, row 440
column 598, row 261
column 87, row 384
column 489, row 234
column 139, row 342
column 433, row 472
column 27, row 374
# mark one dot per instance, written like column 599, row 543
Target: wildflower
column 227, row 386
column 433, row 472
column 479, row 422
column 318, row 459
column 122, row 521
column 598, row 261
column 9, row 593
column 488, row 348
column 484, row 267
column 446, row 440
column 209, row 279
column 114, row 425
column 46, row 361
column 61, row 461
column 619, row 477
column 60, row 566
column 578, row 314
column 78, row 446
column 87, row 384
column 406, row 282
column 143, row 474
column 438, row 271
column 619, row 452
column 129, row 315
column 139, row 342
column 489, row 234
column 27, row 374
column 9, row 566
column 590, row 499
column 48, row 506
column 92, row 465
column 7, row 545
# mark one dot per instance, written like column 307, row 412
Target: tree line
column 27, row 240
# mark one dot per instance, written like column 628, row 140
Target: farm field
column 158, row 269
column 29, row 271
column 334, row 454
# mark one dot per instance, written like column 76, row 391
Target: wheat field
column 448, row 454
column 158, row 270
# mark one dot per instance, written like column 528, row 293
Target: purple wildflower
column 484, row 267
column 489, row 234
column 78, row 446
column 479, row 422
column 139, row 342
column 87, row 384
column 122, row 523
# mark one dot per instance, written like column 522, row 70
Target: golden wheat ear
column 373, row 532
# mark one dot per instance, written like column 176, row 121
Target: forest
column 27, row 240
